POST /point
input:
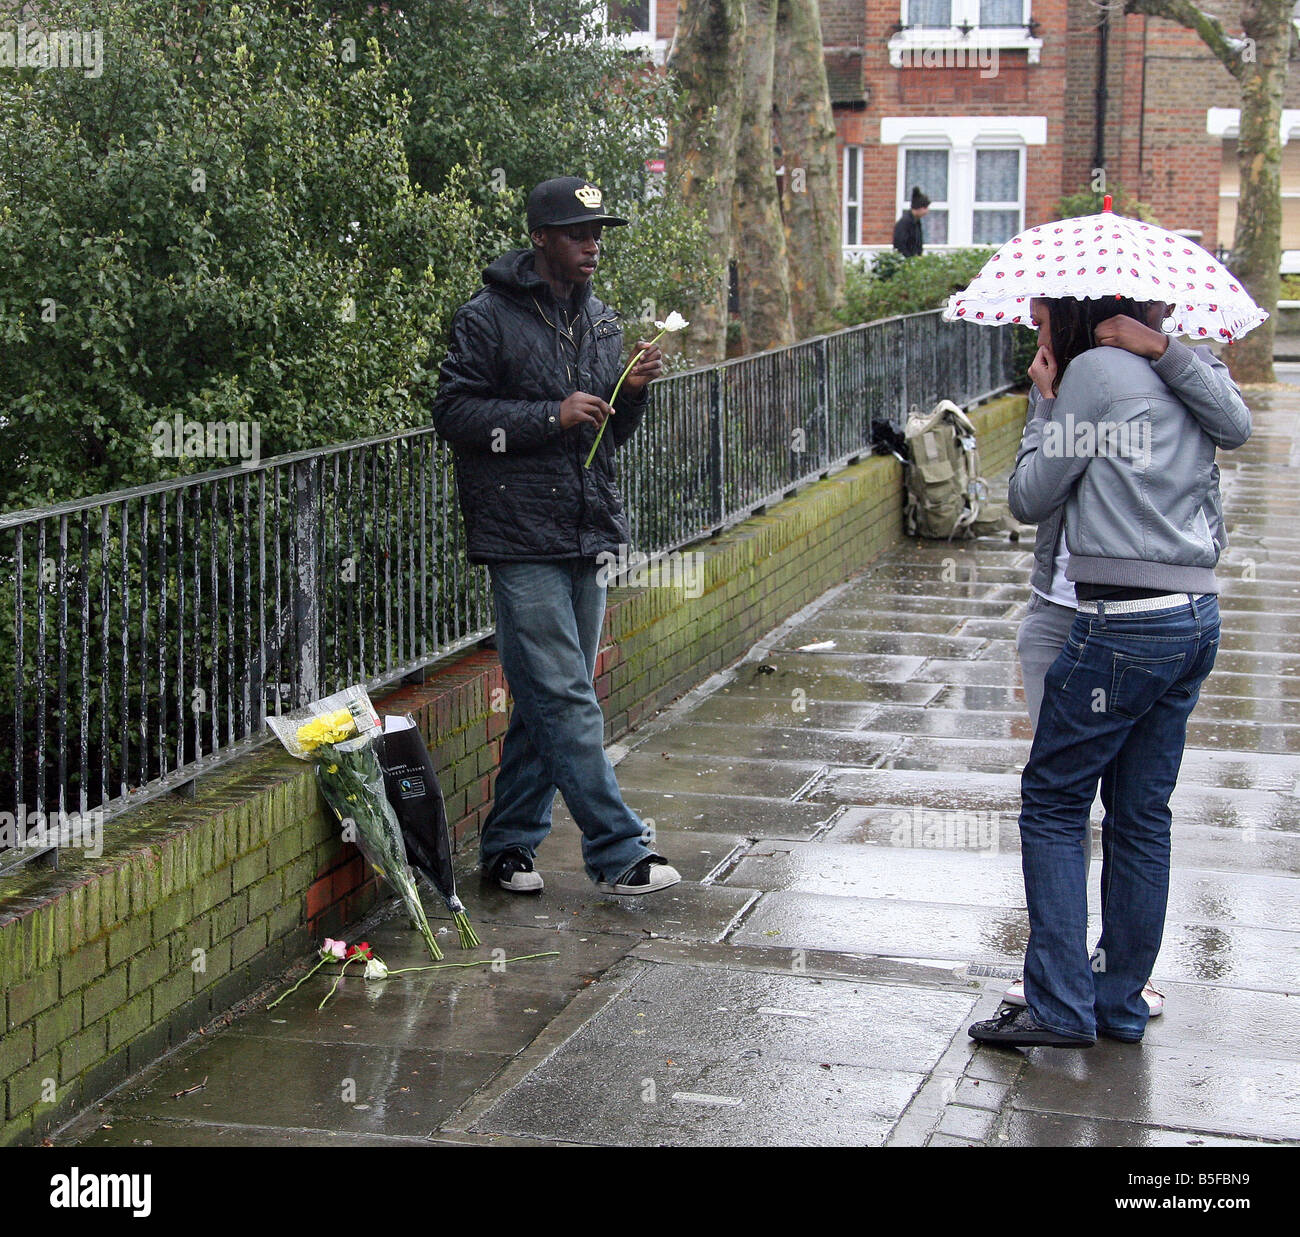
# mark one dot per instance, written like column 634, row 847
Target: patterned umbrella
column 1108, row 255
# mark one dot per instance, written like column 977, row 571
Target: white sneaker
column 649, row 876
column 513, row 870
column 1015, row 995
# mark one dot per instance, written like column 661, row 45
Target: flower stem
column 347, row 962
column 320, row 962
column 442, row 966
column 618, row 387
column 468, row 937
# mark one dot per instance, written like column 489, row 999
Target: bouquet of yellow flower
column 338, row 733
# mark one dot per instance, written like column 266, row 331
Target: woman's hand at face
column 1121, row 331
column 1042, row 372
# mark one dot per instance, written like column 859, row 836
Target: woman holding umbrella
column 1201, row 381
column 1116, row 701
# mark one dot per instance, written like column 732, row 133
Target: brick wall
column 843, row 23
column 196, row 904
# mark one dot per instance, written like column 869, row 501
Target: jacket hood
column 514, row 274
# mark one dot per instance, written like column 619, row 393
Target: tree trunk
column 761, row 274
column 1257, row 246
column 702, row 140
column 811, row 193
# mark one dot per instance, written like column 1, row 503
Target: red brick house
column 997, row 108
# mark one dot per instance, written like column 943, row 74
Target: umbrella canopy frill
column 1108, row 255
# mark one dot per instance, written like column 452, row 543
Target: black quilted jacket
column 515, row 356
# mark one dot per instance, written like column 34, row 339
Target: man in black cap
column 907, row 231
column 533, row 359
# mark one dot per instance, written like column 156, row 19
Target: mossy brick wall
column 109, row 962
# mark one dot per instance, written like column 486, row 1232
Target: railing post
column 306, row 627
column 824, row 404
column 716, row 487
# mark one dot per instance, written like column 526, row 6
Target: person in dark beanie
column 907, row 231
column 533, row 358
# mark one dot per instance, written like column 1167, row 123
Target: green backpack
column 946, row 495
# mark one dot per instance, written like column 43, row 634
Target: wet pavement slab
column 844, row 817
column 698, row 1056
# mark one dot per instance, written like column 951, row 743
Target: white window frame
column 1224, row 122
column 1018, row 206
column 904, row 45
column 851, row 199
column 962, row 135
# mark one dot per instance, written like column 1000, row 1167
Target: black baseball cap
column 565, row 200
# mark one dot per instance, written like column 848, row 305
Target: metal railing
column 146, row 634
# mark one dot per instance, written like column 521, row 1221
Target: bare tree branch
column 1210, row 29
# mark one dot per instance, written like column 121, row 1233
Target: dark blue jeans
column 1119, row 695
column 549, row 617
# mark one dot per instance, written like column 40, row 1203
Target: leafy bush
column 1089, row 202
column 220, row 228
column 514, row 93
column 899, row 285
column 266, row 214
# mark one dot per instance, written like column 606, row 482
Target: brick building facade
column 993, row 107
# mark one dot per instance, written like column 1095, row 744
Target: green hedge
column 897, row 285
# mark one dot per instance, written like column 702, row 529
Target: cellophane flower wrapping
column 337, row 733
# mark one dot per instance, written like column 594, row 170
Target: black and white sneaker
column 512, row 869
column 1014, row 1027
column 649, row 876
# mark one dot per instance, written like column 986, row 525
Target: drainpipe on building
column 1099, row 141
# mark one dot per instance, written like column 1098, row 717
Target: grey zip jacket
column 1126, row 454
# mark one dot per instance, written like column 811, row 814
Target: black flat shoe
column 1015, row 1027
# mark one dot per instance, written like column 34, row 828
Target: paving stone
column 749, row 815
column 353, row 1088
column 891, row 928
column 721, row 1081
column 706, row 1013
column 480, row 1009
column 980, row 1093
column 858, row 616
column 1032, row 1129
column 696, row 854
column 136, row 1132
column 573, row 904
column 728, row 709
column 721, row 773
column 1184, row 1089
column 864, row 872
column 904, row 643
column 783, row 742
column 969, row 1124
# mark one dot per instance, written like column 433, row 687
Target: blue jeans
column 549, row 617
column 1119, row 695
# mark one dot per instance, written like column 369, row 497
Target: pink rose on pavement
column 334, row 949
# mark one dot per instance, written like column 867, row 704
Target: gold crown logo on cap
column 589, row 196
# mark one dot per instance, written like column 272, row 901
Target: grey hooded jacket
column 1125, row 454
